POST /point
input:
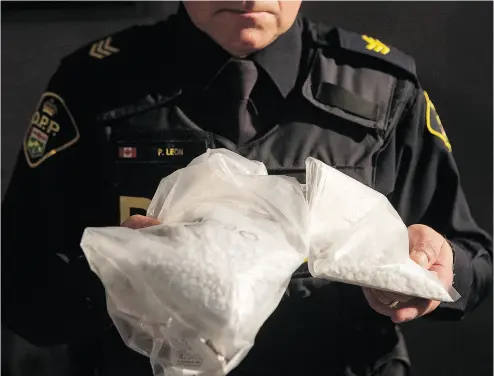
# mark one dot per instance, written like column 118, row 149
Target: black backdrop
column 452, row 43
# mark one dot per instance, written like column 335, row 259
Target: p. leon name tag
column 170, row 152
column 162, row 152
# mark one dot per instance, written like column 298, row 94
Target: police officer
column 257, row 78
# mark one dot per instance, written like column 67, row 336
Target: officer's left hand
column 430, row 250
column 139, row 221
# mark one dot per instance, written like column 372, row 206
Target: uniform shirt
column 118, row 116
column 278, row 67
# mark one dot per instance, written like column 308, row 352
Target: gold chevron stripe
column 102, row 49
column 376, row 45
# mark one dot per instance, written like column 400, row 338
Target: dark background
column 452, row 44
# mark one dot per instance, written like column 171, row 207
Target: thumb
column 422, row 248
column 423, row 254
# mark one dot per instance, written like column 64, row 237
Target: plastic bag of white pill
column 192, row 293
column 357, row 237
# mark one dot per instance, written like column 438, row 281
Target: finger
column 403, row 315
column 413, row 309
column 405, row 311
column 395, row 296
column 376, row 304
column 382, row 297
column 139, row 221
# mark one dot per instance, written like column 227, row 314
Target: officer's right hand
column 139, row 221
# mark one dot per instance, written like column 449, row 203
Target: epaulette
column 368, row 45
column 136, row 56
column 363, row 46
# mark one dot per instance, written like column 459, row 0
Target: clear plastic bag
column 357, row 237
column 192, row 293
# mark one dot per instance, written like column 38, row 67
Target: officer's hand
column 139, row 221
column 430, row 250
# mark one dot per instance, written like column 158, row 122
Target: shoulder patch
column 433, row 122
column 51, row 130
column 368, row 45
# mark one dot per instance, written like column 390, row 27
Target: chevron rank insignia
column 433, row 122
column 376, row 45
column 366, row 45
column 52, row 129
column 102, row 49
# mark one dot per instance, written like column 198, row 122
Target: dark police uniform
column 125, row 111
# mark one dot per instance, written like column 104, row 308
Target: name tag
column 169, row 152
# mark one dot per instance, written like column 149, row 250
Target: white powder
column 407, row 281
column 357, row 237
column 222, row 276
column 219, row 270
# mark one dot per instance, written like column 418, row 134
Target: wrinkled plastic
column 357, row 237
column 192, row 293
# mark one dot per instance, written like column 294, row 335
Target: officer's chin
column 249, row 41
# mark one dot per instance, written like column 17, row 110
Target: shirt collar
column 281, row 59
column 203, row 59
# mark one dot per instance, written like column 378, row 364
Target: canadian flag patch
column 127, row 152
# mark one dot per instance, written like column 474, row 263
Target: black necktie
column 241, row 77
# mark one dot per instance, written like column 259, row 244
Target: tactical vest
column 342, row 112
